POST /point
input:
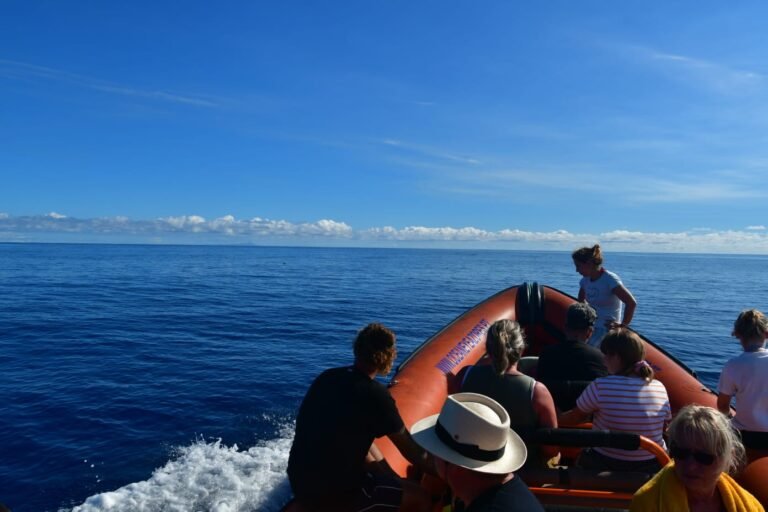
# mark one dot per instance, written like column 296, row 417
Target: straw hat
column 472, row 431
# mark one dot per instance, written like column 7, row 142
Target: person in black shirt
column 568, row 367
column 476, row 453
column 332, row 464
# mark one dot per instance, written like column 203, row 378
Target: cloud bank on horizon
column 194, row 229
column 501, row 125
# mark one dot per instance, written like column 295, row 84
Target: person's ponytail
column 505, row 344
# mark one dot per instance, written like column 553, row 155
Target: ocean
column 167, row 378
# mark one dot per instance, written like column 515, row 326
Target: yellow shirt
column 665, row 493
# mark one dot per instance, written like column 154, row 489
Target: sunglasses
column 703, row 458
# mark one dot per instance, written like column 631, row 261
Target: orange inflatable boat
column 422, row 382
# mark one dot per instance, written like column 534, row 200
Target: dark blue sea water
column 162, row 378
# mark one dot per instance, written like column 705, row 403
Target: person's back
column 745, row 377
column 513, row 392
column 333, row 464
column 627, row 404
column 747, row 374
column 628, row 400
column 512, row 495
column 342, row 413
column 567, row 367
column 528, row 402
column 570, row 360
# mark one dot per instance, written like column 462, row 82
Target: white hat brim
column 515, row 453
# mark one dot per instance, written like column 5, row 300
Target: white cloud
column 695, row 189
column 54, row 215
column 485, row 175
column 25, row 71
column 429, row 151
column 183, row 222
column 421, row 233
column 698, row 72
column 718, row 75
column 228, row 229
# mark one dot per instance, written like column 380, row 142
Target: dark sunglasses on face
column 703, row 458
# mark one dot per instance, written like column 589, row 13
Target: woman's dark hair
column 505, row 343
column 631, row 351
column 375, row 347
column 588, row 255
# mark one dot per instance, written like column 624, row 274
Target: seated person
column 628, row 400
column 333, row 464
column 568, row 367
column 745, row 378
column 476, row 453
column 705, row 449
column 528, row 402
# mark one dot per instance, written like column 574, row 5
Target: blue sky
column 543, row 125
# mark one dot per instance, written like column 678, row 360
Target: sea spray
column 208, row 476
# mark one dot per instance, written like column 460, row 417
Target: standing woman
column 604, row 291
column 745, row 377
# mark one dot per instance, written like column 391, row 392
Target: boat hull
column 421, row 384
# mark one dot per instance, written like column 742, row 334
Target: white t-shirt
column 745, row 377
column 599, row 294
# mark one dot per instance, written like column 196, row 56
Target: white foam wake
column 208, row 477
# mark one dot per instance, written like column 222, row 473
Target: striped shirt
column 627, row 404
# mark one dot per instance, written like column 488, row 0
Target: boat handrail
column 578, row 437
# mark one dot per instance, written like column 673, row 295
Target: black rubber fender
column 529, row 305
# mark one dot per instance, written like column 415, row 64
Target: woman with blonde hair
column 705, row 450
column 528, row 402
column 604, row 291
column 627, row 400
column 745, row 378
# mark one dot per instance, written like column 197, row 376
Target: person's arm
column 544, row 406
column 582, row 297
column 376, row 463
column 724, row 403
column 415, row 454
column 629, row 301
column 586, row 404
column 573, row 417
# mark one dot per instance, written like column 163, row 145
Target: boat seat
column 588, row 479
column 754, row 440
column 584, row 487
column 528, row 365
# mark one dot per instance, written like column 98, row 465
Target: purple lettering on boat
column 457, row 354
